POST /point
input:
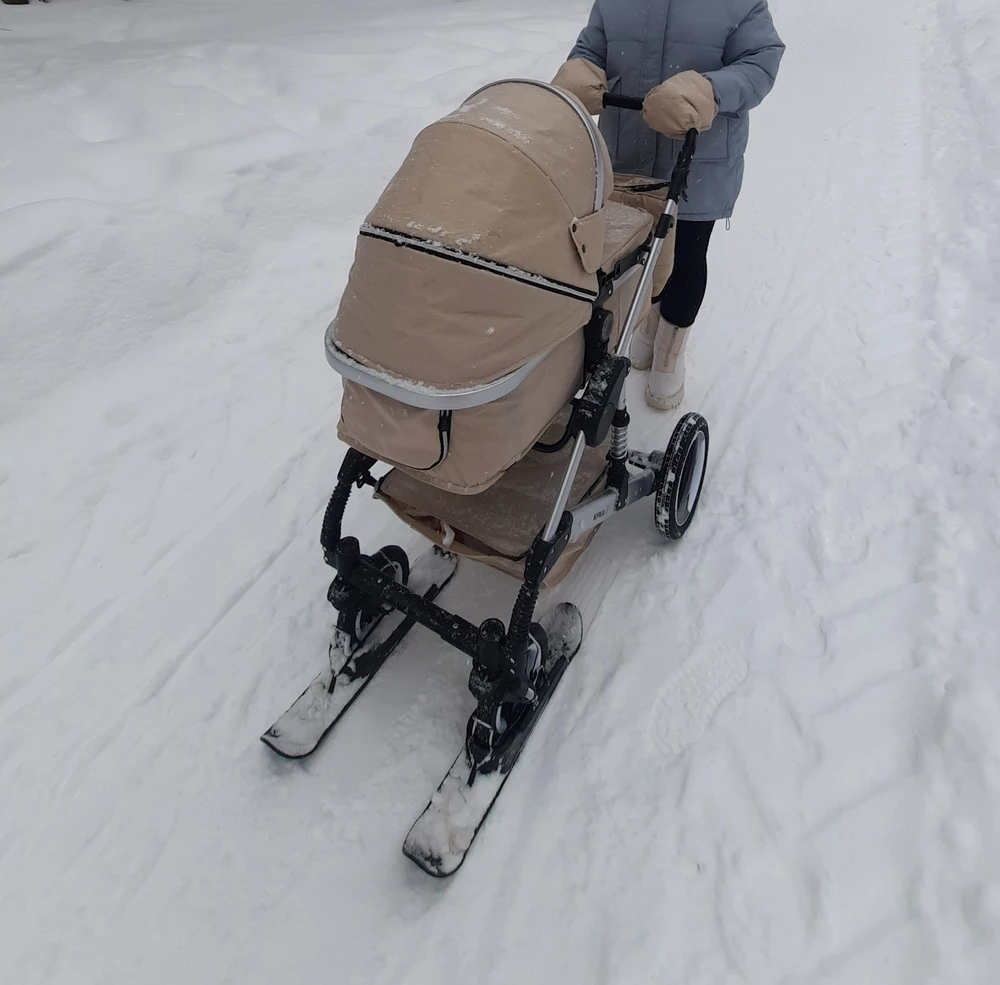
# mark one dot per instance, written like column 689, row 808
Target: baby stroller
column 482, row 341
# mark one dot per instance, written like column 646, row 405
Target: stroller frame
column 506, row 658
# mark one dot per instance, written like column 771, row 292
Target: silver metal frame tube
column 564, row 490
column 632, row 320
column 594, row 511
column 591, row 513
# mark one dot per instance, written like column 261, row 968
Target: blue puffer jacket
column 640, row 43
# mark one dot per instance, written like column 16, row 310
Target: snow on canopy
column 505, row 176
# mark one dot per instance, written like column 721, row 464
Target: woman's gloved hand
column 585, row 81
column 684, row 102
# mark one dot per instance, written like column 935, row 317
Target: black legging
column 682, row 297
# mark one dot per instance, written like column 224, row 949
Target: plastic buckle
column 491, row 732
column 477, row 762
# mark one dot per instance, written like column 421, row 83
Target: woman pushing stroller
column 701, row 64
column 511, row 265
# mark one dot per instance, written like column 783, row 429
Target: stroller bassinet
column 476, row 275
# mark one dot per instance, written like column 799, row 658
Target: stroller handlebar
column 611, row 99
column 675, row 192
column 622, row 102
column 682, row 167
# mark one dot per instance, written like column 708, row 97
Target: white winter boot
column 665, row 389
column 641, row 351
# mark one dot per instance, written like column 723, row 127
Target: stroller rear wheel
column 357, row 618
column 681, row 477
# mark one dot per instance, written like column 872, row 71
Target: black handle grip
column 622, row 102
column 682, row 167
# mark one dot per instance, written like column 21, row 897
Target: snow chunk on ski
column 299, row 731
column 443, row 834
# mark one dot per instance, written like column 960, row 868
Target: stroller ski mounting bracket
column 356, row 572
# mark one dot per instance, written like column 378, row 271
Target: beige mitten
column 585, row 81
column 684, row 102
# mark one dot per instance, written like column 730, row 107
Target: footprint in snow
column 686, row 706
column 981, row 909
column 97, row 124
column 966, row 729
column 763, row 914
column 120, row 415
column 839, row 534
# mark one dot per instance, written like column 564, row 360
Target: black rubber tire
column 396, row 557
column 681, row 477
column 358, row 621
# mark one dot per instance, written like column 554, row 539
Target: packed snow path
column 777, row 759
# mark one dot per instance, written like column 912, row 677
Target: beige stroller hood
column 460, row 330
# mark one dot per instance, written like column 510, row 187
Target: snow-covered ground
column 777, row 759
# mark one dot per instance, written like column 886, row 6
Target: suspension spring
column 619, row 442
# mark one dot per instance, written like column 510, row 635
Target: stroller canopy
column 504, row 177
column 483, row 250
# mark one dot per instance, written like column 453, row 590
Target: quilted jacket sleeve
column 592, row 45
column 751, row 57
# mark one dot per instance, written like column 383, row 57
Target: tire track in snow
column 863, row 548
column 865, row 789
column 957, row 888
